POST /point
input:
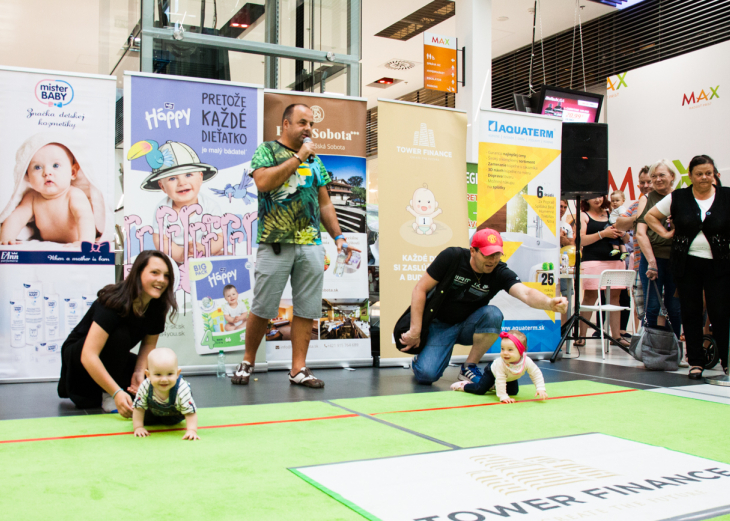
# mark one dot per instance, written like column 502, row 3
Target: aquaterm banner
column 684, row 114
column 421, row 154
column 519, row 196
column 56, row 211
column 188, row 145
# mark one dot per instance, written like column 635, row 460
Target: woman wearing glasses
column 700, row 256
column 655, row 248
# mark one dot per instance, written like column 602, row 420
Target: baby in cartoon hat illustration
column 54, row 198
column 178, row 172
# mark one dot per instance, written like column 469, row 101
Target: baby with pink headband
column 503, row 373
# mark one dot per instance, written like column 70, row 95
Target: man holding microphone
column 293, row 199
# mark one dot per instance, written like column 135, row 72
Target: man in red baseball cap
column 464, row 315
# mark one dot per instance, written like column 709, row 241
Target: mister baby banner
column 588, row 476
column 422, row 197
column 519, row 196
column 343, row 331
column 188, row 145
column 676, row 119
column 56, row 211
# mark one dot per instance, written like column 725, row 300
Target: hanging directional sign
column 440, row 64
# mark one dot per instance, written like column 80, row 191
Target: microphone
column 310, row 159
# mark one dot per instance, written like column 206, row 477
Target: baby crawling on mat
column 503, row 373
column 164, row 398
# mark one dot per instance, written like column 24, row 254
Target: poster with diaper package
column 56, row 203
column 222, row 294
column 188, row 145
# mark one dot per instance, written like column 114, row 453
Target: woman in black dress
column 97, row 365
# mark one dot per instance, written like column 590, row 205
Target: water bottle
column 340, row 265
column 220, row 371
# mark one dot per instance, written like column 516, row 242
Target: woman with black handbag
column 700, row 256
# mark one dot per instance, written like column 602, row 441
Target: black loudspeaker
column 584, row 164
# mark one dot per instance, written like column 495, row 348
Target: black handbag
column 434, row 299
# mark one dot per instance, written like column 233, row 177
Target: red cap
column 487, row 241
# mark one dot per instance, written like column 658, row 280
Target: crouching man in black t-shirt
column 465, row 317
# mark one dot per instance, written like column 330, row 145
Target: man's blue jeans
column 665, row 282
column 431, row 363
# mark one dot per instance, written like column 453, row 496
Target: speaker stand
column 575, row 319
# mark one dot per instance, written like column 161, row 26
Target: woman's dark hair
column 121, row 296
column 584, row 206
column 644, row 170
column 704, row 160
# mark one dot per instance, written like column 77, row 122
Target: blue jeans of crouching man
column 431, row 363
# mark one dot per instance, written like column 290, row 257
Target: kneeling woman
column 97, row 365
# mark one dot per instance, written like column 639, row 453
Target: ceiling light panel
column 419, row 21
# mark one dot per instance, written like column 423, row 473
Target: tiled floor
column 35, row 400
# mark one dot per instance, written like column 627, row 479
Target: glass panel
column 118, row 34
column 227, row 18
column 247, row 68
column 129, row 62
column 321, row 25
column 312, row 76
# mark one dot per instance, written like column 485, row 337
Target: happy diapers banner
column 342, row 333
column 222, row 290
column 518, row 196
column 188, row 145
column 56, row 211
column 677, row 119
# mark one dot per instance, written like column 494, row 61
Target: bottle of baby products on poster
column 17, row 319
column 32, row 291
column 51, row 313
column 88, row 297
column 47, row 348
column 73, row 311
column 340, row 266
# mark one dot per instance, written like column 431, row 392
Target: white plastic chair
column 624, row 278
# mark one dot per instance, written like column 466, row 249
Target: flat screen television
column 570, row 105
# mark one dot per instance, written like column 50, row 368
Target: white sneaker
column 683, row 363
column 107, row 403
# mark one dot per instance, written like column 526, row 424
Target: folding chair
column 610, row 278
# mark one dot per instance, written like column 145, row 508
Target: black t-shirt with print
column 132, row 329
column 468, row 292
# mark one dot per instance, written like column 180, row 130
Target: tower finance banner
column 56, row 211
column 342, row 333
column 519, row 196
column 188, row 145
column 422, row 198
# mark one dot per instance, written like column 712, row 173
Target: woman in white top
column 700, row 256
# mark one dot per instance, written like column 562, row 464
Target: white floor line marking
column 603, row 377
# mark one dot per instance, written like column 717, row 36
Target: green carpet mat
column 242, row 472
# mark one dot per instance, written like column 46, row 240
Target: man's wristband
column 340, row 236
column 651, row 269
column 116, row 392
column 599, row 235
column 299, row 158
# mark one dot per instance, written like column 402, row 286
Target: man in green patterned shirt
column 293, row 200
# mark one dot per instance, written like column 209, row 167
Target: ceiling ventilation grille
column 648, row 32
column 419, row 21
column 399, row 65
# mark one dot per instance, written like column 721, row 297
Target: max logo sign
column 702, row 96
column 439, row 40
column 616, row 85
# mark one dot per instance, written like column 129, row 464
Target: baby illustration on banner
column 186, row 223
column 423, row 206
